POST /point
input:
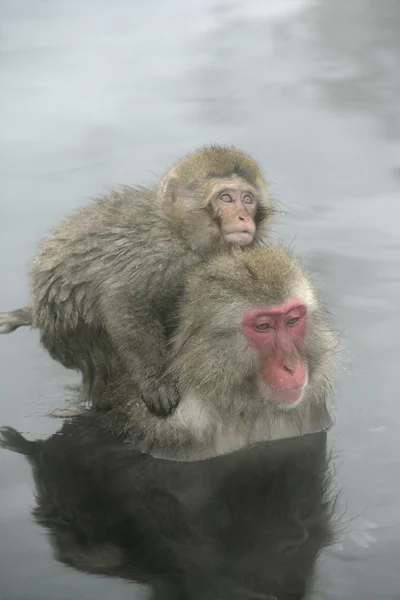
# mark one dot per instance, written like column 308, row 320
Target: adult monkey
column 104, row 284
column 252, row 355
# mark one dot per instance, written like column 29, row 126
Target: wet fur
column 106, row 282
column 223, row 405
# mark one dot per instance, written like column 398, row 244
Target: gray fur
column 105, row 283
column 10, row 321
column 223, row 405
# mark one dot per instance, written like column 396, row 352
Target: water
column 95, row 94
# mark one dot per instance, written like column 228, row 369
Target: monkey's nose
column 288, row 369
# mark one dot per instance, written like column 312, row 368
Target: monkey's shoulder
column 128, row 209
column 124, row 230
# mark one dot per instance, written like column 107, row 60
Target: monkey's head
column 251, row 322
column 216, row 196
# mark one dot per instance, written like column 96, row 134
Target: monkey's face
column 251, row 351
column 216, row 197
column 234, row 205
column 251, row 327
column 277, row 334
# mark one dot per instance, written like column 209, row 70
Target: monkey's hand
column 161, row 397
column 139, row 336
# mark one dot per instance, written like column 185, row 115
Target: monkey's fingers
column 162, row 400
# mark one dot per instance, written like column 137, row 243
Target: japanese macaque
column 245, row 526
column 252, row 357
column 104, row 285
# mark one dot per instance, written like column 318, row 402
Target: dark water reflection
column 247, row 525
column 95, row 94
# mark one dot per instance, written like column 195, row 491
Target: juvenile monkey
column 252, row 356
column 105, row 283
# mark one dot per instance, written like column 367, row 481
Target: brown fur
column 223, row 406
column 105, row 283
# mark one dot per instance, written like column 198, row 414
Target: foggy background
column 95, row 94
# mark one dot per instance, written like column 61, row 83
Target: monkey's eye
column 293, row 321
column 248, row 199
column 263, row 326
column 226, row 198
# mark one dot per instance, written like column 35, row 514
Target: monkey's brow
column 236, row 169
column 232, row 187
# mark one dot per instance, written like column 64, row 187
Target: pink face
column 277, row 334
column 237, row 208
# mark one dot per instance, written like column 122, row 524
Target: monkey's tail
column 10, row 321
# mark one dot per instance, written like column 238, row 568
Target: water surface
column 96, row 94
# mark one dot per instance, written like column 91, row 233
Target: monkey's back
column 104, row 245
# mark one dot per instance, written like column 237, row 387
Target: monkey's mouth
column 239, row 238
column 288, row 395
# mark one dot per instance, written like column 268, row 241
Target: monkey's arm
column 139, row 339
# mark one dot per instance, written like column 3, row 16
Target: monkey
column 105, row 284
column 253, row 356
column 247, row 525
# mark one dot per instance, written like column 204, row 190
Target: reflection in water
column 246, row 525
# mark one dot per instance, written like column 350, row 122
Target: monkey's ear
column 168, row 187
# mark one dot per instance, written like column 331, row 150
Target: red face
column 237, row 208
column 277, row 334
